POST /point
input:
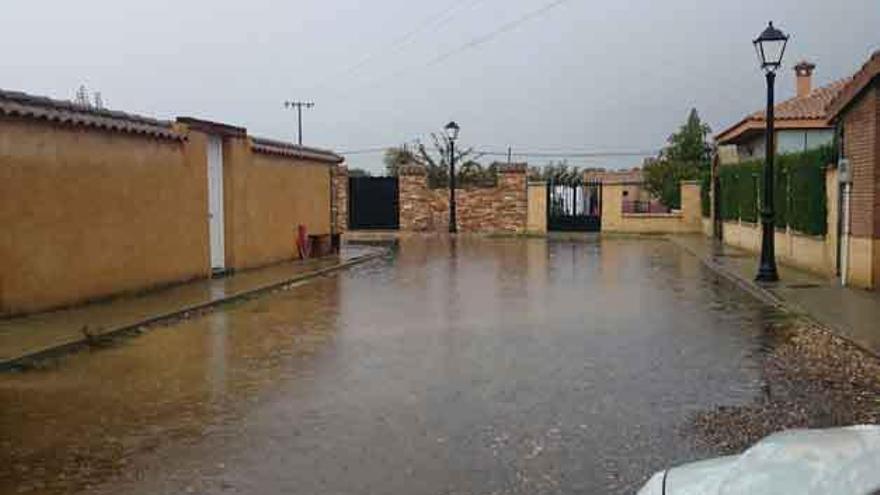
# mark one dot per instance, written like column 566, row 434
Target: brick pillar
column 339, row 199
column 414, row 199
column 511, row 205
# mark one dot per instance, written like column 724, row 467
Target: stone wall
column 503, row 208
column 339, row 199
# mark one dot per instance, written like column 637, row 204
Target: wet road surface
column 483, row 366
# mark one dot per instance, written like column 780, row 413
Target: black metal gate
column 574, row 206
column 373, row 203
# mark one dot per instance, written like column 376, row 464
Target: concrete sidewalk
column 44, row 334
column 851, row 313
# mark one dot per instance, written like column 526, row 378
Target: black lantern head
column 770, row 47
column 452, row 131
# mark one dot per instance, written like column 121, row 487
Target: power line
column 475, row 42
column 432, row 23
column 504, row 28
column 588, row 154
column 527, row 154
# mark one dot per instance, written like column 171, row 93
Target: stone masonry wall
column 339, row 200
column 503, row 208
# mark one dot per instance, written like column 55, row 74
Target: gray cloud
column 586, row 75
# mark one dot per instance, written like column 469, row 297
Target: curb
column 758, row 292
column 26, row 360
column 769, row 297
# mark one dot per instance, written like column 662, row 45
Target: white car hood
column 806, row 462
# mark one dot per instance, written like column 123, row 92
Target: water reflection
column 70, row 426
column 459, row 365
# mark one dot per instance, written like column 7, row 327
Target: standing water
column 472, row 366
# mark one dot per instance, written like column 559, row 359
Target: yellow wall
column 537, row 215
column 688, row 220
column 862, row 262
column 267, row 197
column 88, row 213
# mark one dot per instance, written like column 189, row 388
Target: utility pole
column 299, row 115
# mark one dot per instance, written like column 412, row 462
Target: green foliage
column 799, row 190
column 705, row 189
column 557, row 172
column 689, row 144
column 395, row 158
column 469, row 171
column 358, row 172
column 686, row 157
column 663, row 179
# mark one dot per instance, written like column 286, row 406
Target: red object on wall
column 303, row 243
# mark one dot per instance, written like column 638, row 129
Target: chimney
column 804, row 72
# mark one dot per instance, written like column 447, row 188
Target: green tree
column 394, row 158
column 689, row 143
column 685, row 157
column 358, row 172
column 559, row 172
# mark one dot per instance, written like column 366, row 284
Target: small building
column 95, row 203
column 855, row 113
column 801, row 122
column 635, row 197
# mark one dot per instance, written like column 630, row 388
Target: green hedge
column 799, row 194
column 705, row 189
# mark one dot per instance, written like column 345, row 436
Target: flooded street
column 487, row 366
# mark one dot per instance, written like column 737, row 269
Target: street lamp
column 452, row 134
column 770, row 47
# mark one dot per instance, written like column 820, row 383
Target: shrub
column 799, row 190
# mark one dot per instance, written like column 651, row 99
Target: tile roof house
column 801, row 122
column 856, row 114
column 622, row 176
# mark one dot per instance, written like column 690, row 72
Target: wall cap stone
column 412, row 169
column 511, row 168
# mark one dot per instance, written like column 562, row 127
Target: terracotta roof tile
column 614, row 176
column 860, row 80
column 802, row 112
column 13, row 103
column 811, row 106
column 281, row 148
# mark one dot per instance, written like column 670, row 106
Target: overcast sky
column 581, row 75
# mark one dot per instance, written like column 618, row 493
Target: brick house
column 856, row 114
column 801, row 122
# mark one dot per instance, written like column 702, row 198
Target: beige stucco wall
column 88, row 213
column 687, row 220
column 267, row 198
column 862, row 263
column 802, row 251
column 536, row 222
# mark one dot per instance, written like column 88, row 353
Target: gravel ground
column 813, row 379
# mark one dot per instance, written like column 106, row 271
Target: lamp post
column 452, row 134
column 770, row 47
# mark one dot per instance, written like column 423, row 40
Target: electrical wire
column 431, row 23
column 472, row 43
column 526, row 154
